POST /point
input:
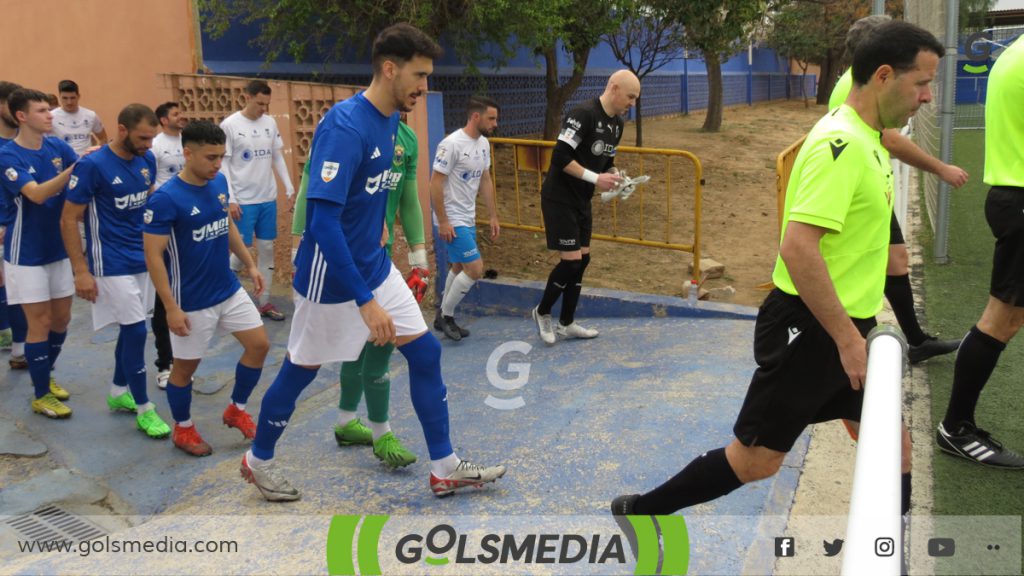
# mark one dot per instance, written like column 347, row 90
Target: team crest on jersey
column 399, row 155
column 11, row 174
column 223, row 199
column 58, row 163
column 147, row 216
column 145, row 176
column 73, row 182
column 329, row 170
column 598, row 148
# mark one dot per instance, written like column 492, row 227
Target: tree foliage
column 804, row 33
column 647, row 39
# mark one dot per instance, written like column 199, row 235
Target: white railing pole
column 874, row 535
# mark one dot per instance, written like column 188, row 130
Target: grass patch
column 955, row 295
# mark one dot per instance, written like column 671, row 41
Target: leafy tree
column 717, row 28
column 802, row 34
column 646, row 40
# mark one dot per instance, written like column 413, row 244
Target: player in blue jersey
column 187, row 219
column 12, row 319
column 347, row 289
column 35, row 170
column 111, row 187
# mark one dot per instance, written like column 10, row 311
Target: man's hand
column 85, row 286
column 291, row 201
column 382, row 328
column 235, row 211
column 495, row 228
column 446, row 231
column 257, row 280
column 177, row 322
column 854, row 356
column 607, row 181
column 955, row 176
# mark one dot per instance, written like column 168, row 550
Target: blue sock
column 179, row 398
column 132, row 359
column 429, row 395
column 246, row 380
column 277, row 407
column 56, row 344
column 38, row 356
column 119, row 377
column 19, row 325
column 5, row 321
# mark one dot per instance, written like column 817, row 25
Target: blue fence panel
column 734, row 89
column 762, row 84
column 661, row 95
column 698, row 92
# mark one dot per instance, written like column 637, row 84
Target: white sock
column 460, row 286
column 265, row 261
column 448, row 280
column 444, row 466
column 379, row 428
column 252, row 459
column 116, row 391
column 344, row 417
column 185, row 424
column 143, row 408
column 239, row 406
column 17, row 348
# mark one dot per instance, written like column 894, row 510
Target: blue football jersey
column 5, row 213
column 350, row 165
column 115, row 191
column 33, row 230
column 196, row 219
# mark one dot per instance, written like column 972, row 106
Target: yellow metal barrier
column 783, row 168
column 535, row 156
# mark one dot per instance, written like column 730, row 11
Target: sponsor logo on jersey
column 376, row 153
column 329, row 170
column 194, row 211
column 73, row 182
column 211, row 231
column 117, row 180
column 11, row 174
column 598, row 148
column 576, row 124
column 387, row 180
column 131, row 201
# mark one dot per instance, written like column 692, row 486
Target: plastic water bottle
column 692, row 290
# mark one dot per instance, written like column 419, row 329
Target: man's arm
column 563, row 156
column 801, row 252
column 904, row 150
column 487, row 190
column 281, row 167
column 85, row 283
column 154, row 246
column 100, row 136
column 40, row 193
column 234, row 209
column 444, row 228
column 237, row 247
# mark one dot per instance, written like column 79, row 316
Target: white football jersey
column 76, row 129
column 249, row 153
column 169, row 157
column 463, row 160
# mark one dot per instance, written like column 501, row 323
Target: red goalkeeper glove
column 418, row 281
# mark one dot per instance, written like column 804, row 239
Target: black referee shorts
column 567, row 227
column 895, row 232
column 799, row 379
column 1004, row 210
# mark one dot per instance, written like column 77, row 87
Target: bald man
column 583, row 161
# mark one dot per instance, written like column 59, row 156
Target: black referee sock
column 975, row 362
column 561, row 277
column 905, row 493
column 707, row 477
column 901, row 298
column 572, row 295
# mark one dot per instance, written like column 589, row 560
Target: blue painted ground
column 577, row 424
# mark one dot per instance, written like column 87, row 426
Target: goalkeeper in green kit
column 369, row 373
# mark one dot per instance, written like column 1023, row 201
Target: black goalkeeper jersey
column 591, row 138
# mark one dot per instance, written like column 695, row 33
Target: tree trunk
column 639, row 125
column 713, row 121
column 803, row 83
column 557, row 95
column 827, row 80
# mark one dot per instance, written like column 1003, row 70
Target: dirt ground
column 738, row 220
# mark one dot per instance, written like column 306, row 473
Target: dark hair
column 400, row 43
column 67, row 86
column 480, row 104
column 894, row 43
column 862, row 28
column 134, row 114
column 6, row 88
column 202, row 132
column 52, row 99
column 19, row 99
column 164, row 110
column 255, row 87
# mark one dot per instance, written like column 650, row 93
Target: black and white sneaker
column 450, row 328
column 931, row 346
column 977, row 445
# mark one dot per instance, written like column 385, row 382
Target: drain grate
column 54, row 523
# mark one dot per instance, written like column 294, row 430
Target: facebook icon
column 785, row 547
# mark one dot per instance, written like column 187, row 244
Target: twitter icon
column 832, row 548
